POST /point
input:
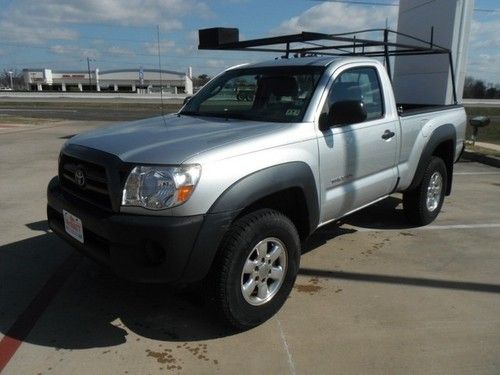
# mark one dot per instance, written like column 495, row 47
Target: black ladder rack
column 344, row 44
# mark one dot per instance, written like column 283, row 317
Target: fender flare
column 268, row 181
column 443, row 133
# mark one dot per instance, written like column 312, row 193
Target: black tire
column 236, row 248
column 415, row 201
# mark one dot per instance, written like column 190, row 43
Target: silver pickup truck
column 226, row 190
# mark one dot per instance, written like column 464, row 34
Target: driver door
column 357, row 160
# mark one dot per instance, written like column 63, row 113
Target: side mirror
column 343, row 113
column 187, row 99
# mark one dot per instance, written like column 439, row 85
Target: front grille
column 96, row 187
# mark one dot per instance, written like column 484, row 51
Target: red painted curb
column 28, row 318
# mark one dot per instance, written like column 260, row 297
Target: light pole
column 10, row 72
column 90, row 77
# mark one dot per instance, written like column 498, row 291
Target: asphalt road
column 374, row 295
column 482, row 102
column 68, row 112
column 88, row 109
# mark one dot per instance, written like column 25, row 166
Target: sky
column 115, row 34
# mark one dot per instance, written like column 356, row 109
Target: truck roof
column 315, row 61
column 302, row 61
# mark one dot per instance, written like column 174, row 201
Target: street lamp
column 10, row 72
column 88, row 69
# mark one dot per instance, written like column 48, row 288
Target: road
column 134, row 112
column 374, row 295
column 482, row 102
column 87, row 109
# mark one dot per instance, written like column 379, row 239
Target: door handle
column 388, row 134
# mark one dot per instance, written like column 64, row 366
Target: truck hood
column 171, row 139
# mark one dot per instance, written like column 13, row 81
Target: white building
column 122, row 80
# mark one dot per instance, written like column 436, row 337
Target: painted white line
column 460, row 226
column 285, row 344
column 431, row 227
column 473, row 173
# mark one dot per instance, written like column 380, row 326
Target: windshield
column 274, row 94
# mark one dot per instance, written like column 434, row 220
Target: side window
column 358, row 84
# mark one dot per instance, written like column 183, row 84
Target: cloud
column 120, row 51
column 215, row 63
column 484, row 50
column 165, row 47
column 75, row 51
column 139, row 13
column 485, row 34
column 33, row 33
column 338, row 17
column 36, row 22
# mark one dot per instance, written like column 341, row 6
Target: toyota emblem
column 80, row 177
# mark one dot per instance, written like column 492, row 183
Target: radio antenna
column 159, row 68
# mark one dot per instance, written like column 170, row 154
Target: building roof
column 106, row 71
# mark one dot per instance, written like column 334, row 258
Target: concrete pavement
column 490, row 146
column 374, row 295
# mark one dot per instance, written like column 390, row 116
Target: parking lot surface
column 374, row 295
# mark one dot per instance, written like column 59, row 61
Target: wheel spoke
column 249, row 287
column 249, row 266
column 261, row 249
column 275, row 252
column 262, row 293
column 276, row 273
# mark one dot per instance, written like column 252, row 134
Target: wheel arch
column 441, row 143
column 274, row 187
column 289, row 188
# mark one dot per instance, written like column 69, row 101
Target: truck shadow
column 386, row 214
column 93, row 308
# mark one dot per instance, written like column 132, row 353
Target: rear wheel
column 422, row 204
column 258, row 264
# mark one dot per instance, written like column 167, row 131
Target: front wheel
column 423, row 204
column 258, row 264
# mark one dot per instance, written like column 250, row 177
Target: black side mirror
column 347, row 112
column 343, row 113
column 186, row 100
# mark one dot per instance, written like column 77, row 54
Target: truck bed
column 417, row 125
column 408, row 109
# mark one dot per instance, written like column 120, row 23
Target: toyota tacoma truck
column 227, row 190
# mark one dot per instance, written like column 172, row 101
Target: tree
column 201, row 80
column 477, row 89
column 17, row 79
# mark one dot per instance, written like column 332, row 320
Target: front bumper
column 140, row 248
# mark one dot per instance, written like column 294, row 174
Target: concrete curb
column 481, row 158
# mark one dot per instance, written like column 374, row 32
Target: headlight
column 157, row 188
